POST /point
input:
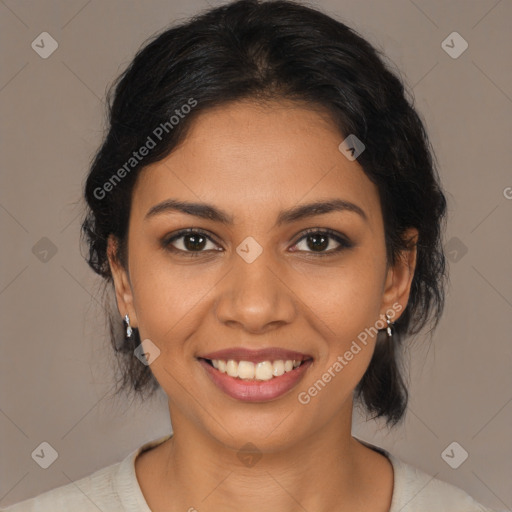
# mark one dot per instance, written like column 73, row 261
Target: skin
column 252, row 161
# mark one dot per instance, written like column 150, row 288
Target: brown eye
column 318, row 241
column 193, row 242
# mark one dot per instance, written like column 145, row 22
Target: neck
column 324, row 472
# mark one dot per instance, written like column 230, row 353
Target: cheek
column 169, row 298
column 351, row 314
column 347, row 299
column 346, row 312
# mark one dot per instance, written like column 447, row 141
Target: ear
column 123, row 288
column 399, row 276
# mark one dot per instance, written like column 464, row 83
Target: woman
column 267, row 208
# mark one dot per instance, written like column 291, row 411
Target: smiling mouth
column 259, row 371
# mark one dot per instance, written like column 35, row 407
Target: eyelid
column 331, row 232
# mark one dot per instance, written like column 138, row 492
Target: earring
column 129, row 330
column 389, row 328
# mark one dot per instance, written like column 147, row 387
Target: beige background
column 55, row 365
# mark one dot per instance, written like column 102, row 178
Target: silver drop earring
column 129, row 330
column 389, row 328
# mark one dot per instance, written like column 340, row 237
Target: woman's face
column 257, row 280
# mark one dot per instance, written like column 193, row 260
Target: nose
column 255, row 296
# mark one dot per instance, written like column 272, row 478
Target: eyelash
column 344, row 242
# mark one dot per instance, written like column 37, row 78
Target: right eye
column 192, row 242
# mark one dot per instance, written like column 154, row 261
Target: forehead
column 255, row 159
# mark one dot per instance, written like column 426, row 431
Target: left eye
column 319, row 240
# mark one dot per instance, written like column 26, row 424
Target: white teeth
column 232, row 368
column 245, row 370
column 264, row 370
column 278, row 368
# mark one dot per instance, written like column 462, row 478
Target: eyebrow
column 210, row 212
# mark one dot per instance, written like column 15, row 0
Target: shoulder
column 417, row 491
column 113, row 488
column 92, row 492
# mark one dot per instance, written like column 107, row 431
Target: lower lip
column 256, row 390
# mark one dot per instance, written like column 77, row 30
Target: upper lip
column 255, row 356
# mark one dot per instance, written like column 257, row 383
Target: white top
column 115, row 489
